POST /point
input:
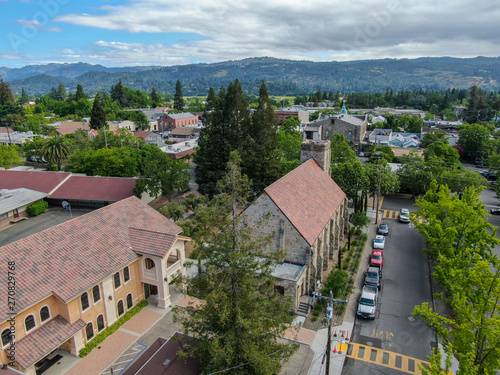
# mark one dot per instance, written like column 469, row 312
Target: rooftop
column 15, row 198
column 179, row 116
column 45, row 182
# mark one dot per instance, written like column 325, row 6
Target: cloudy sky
column 172, row 32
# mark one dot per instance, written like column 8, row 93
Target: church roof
column 308, row 197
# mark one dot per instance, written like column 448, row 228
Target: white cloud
column 298, row 29
column 34, row 24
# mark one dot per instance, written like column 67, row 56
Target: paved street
column 405, row 283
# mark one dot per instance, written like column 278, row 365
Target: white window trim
column 121, row 284
column 128, row 308
column 129, row 275
column 24, row 323
column 40, row 313
column 117, row 313
column 88, row 299
column 8, row 344
column 100, row 295
column 97, row 324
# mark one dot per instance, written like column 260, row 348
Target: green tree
column 290, row 124
column 56, row 149
column 433, row 136
column 9, row 156
column 112, row 162
column 174, row 210
column 460, row 239
column 477, row 107
column 414, row 175
column 289, row 148
column 61, row 93
column 24, row 97
column 118, row 94
column 98, row 117
column 341, row 152
column 80, row 94
column 239, row 323
column 6, row 94
column 155, row 97
column 443, row 151
column 261, row 159
column 475, row 141
column 352, row 179
column 178, row 97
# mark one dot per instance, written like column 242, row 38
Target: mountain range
column 283, row 77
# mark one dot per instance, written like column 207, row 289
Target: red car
column 377, row 258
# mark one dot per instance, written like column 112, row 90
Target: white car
column 379, row 242
column 367, row 305
column 404, row 215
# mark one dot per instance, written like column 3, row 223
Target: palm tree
column 56, row 149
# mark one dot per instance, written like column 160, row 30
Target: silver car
column 404, row 215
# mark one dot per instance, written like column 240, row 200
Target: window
column 350, row 136
column 117, row 280
column 150, row 264
column 121, row 310
column 327, row 133
column 29, row 323
column 126, row 274
column 130, row 302
column 89, row 330
column 96, row 293
column 44, row 313
column 309, row 135
column 6, row 336
column 100, row 323
column 84, row 299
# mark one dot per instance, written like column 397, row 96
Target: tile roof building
column 77, row 278
column 174, row 120
column 307, row 211
column 17, row 202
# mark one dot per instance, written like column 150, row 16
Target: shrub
column 53, row 167
column 314, row 318
column 37, row 208
column 364, row 237
column 355, row 243
column 345, row 266
column 112, row 328
column 360, row 249
column 357, row 231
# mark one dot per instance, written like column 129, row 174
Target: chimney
column 319, row 151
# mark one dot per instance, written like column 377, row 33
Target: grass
column 112, row 328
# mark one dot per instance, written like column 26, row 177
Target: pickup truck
column 367, row 304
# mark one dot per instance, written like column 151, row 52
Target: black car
column 383, row 229
column 495, row 211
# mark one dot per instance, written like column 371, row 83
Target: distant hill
column 282, row 76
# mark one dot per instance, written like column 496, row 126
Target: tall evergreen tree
column 155, row 97
column 80, row 94
column 178, row 97
column 61, row 93
column 24, row 97
column 239, row 323
column 261, row 160
column 98, row 117
column 118, row 93
column 6, row 94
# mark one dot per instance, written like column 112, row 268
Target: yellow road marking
column 390, row 214
column 354, row 350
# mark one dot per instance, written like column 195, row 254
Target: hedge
column 37, row 208
column 112, row 328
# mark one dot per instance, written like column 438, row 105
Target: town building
column 14, row 204
column 171, row 121
column 285, row 113
column 79, row 277
column 69, row 127
column 149, row 137
column 307, row 213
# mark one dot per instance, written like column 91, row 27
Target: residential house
column 69, row 127
column 17, row 138
column 171, row 121
column 307, row 213
column 386, row 137
column 283, row 114
column 184, row 133
column 77, row 278
column 127, row 124
column 149, row 137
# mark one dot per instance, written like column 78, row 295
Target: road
column 405, row 283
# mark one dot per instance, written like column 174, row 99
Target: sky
column 177, row 32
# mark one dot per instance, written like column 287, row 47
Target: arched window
column 44, row 313
column 121, row 310
column 118, row 281
column 6, row 336
column 89, row 330
column 96, row 293
column 100, row 323
column 84, row 299
column 130, row 301
column 29, row 323
column 126, row 274
column 150, row 263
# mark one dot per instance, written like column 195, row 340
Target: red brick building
column 174, row 120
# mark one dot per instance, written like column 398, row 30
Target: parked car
column 404, row 215
column 495, row 211
column 383, row 229
column 377, row 259
column 379, row 242
column 372, row 277
column 41, row 160
column 32, row 158
column 491, row 177
column 367, row 304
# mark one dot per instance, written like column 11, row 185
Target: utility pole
column 329, row 316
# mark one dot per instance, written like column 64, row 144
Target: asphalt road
column 405, row 284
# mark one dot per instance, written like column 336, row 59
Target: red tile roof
column 142, row 135
column 46, row 182
column 308, row 197
column 71, row 257
column 151, row 243
column 33, row 347
column 92, row 188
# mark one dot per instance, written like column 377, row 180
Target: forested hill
column 282, row 76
